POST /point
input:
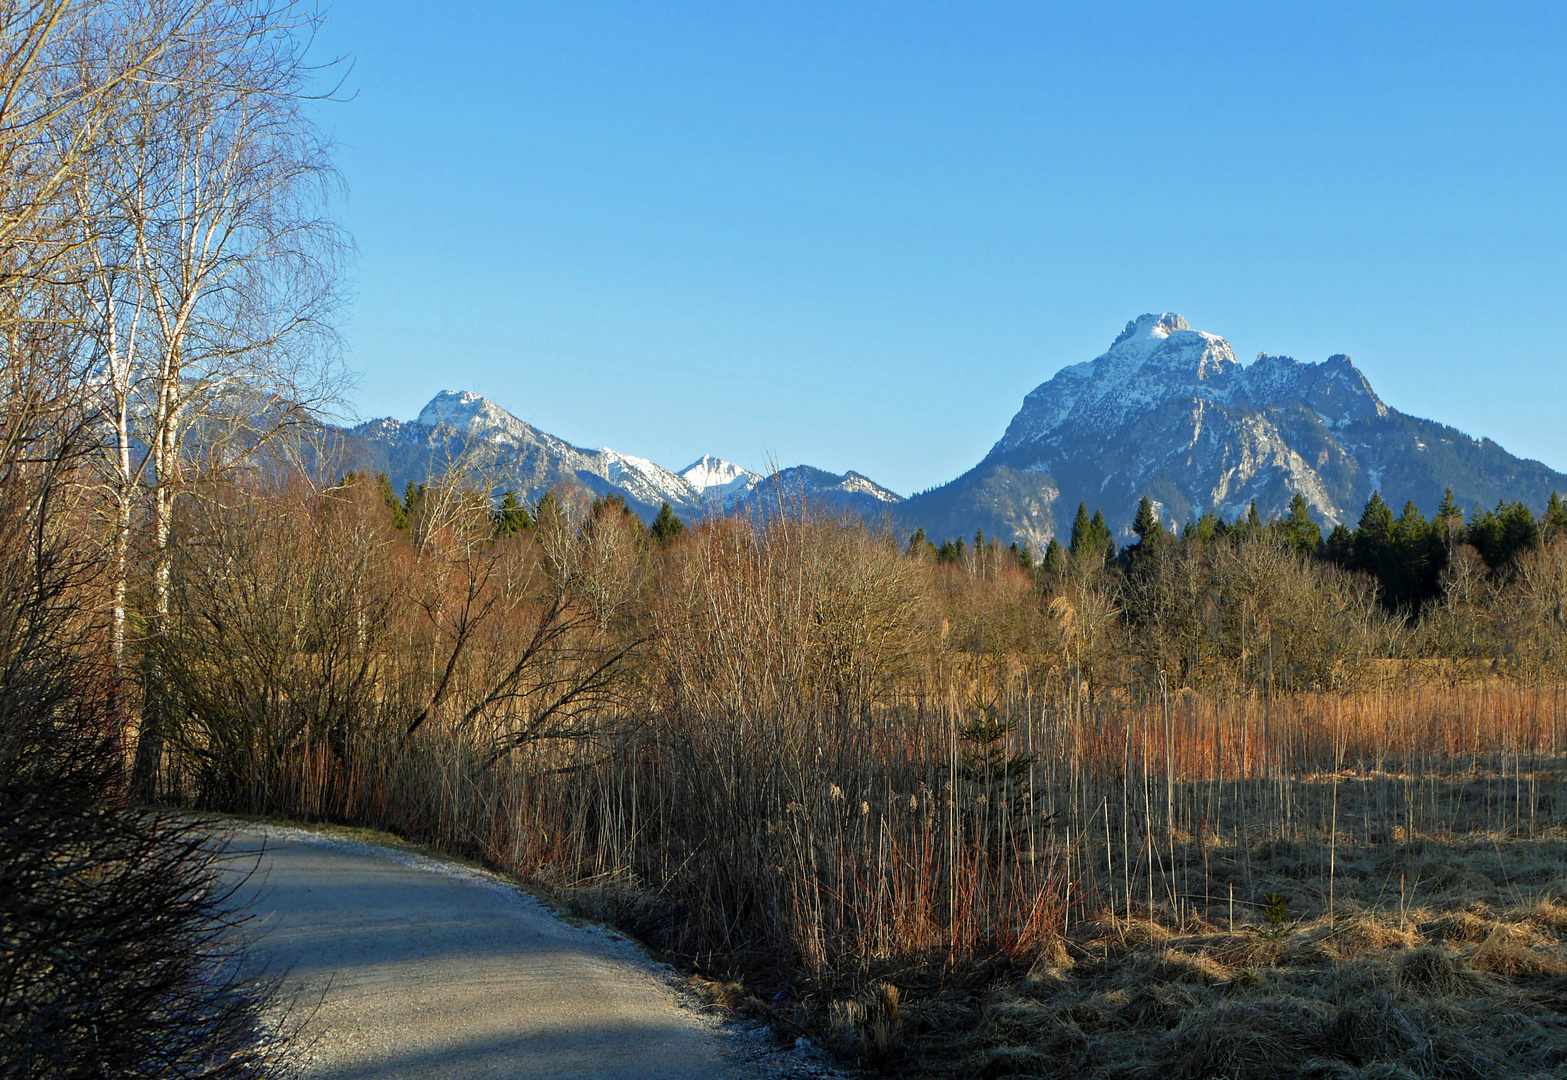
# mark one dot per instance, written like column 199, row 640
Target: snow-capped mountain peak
column 709, row 471
column 1157, row 358
column 460, row 426
column 1167, row 412
column 1146, row 331
column 718, row 481
column 459, row 409
column 472, row 415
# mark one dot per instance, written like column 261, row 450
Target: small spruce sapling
column 1275, row 912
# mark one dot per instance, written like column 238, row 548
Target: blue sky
column 855, row 235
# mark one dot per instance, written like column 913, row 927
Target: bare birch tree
column 212, row 275
column 67, row 69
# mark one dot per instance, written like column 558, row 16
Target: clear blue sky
column 855, row 235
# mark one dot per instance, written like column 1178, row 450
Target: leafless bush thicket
column 800, row 757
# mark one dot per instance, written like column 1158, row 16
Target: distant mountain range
column 1166, row 412
column 462, row 430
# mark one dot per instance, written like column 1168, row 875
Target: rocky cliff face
column 1168, row 412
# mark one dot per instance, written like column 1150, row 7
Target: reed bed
column 1228, row 848
column 927, row 814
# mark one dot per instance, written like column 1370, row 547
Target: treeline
column 1243, row 606
column 1408, row 556
column 1248, row 604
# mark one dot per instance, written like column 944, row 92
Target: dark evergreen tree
column 1081, row 527
column 1298, row 530
column 1101, row 537
column 1022, row 555
column 511, row 517
column 1055, row 558
column 1555, row 523
column 1374, row 543
column 392, row 502
column 1205, row 530
column 1503, row 535
column 917, row 542
column 1485, row 534
column 666, row 526
column 1149, row 529
column 1340, row 546
column 1092, row 543
column 1447, row 526
column 1410, row 580
column 1376, row 547
column 413, row 495
column 1521, row 530
column 1249, row 527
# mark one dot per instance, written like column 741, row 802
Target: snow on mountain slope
column 461, row 429
column 718, row 482
column 1168, row 412
column 805, row 485
column 1155, row 358
column 643, row 481
column 1165, row 412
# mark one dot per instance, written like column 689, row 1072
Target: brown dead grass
column 1458, row 977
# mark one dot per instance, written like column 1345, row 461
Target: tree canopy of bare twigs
column 209, row 271
column 164, row 269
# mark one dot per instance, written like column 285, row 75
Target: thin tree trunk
column 150, row 742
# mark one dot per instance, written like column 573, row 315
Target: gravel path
column 425, row 968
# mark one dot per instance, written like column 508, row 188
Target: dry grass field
column 1405, row 955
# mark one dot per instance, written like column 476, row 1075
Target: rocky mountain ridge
column 1168, row 412
column 464, row 431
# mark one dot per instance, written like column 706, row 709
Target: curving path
column 430, row 969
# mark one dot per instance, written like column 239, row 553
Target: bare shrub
column 1256, row 613
column 124, row 955
column 120, row 951
column 278, row 640
column 1172, row 811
